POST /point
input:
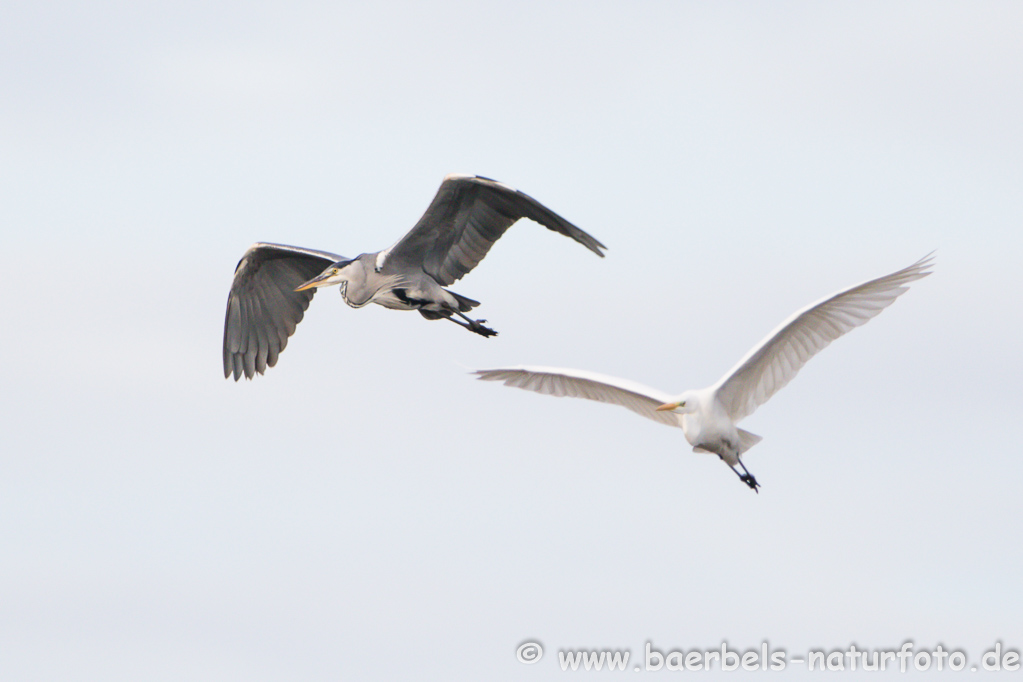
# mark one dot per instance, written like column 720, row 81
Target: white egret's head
column 684, row 405
column 337, row 273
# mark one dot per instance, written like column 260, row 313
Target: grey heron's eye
column 336, row 271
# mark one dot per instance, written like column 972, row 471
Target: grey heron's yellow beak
column 314, row 282
column 668, row 406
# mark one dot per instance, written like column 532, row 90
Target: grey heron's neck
column 343, row 288
column 364, row 285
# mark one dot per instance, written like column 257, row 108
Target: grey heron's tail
column 465, row 304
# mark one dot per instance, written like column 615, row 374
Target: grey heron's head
column 337, row 273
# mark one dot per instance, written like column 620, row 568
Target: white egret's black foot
column 746, row 477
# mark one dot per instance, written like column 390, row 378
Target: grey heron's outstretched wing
column 464, row 220
column 263, row 307
column 774, row 361
column 575, row 383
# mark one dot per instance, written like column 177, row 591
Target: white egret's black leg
column 747, row 477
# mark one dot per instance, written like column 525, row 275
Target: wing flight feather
column 771, row 364
column 263, row 308
column 574, row 383
column 463, row 221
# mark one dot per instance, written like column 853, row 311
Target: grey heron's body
column 392, row 287
column 274, row 283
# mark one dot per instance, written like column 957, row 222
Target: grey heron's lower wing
column 577, row 383
column 465, row 218
column 263, row 307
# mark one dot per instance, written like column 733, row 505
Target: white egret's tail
column 747, row 440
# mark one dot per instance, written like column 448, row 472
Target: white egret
column 708, row 416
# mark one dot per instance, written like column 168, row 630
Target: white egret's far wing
column 576, row 383
column 773, row 363
column 465, row 218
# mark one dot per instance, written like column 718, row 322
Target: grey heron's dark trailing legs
column 473, row 325
column 274, row 283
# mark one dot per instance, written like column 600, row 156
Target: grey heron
column 274, row 283
column 708, row 416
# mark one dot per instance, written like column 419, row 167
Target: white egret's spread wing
column 464, row 220
column 575, row 383
column 773, row 362
column 263, row 307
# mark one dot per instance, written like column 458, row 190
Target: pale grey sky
column 366, row 510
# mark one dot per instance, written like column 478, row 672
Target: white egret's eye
column 682, row 404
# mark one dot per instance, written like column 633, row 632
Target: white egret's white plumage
column 708, row 416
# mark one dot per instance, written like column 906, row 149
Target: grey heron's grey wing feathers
column 575, row 383
column 775, row 360
column 463, row 221
column 263, row 307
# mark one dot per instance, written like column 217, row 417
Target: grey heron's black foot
column 477, row 326
column 474, row 325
